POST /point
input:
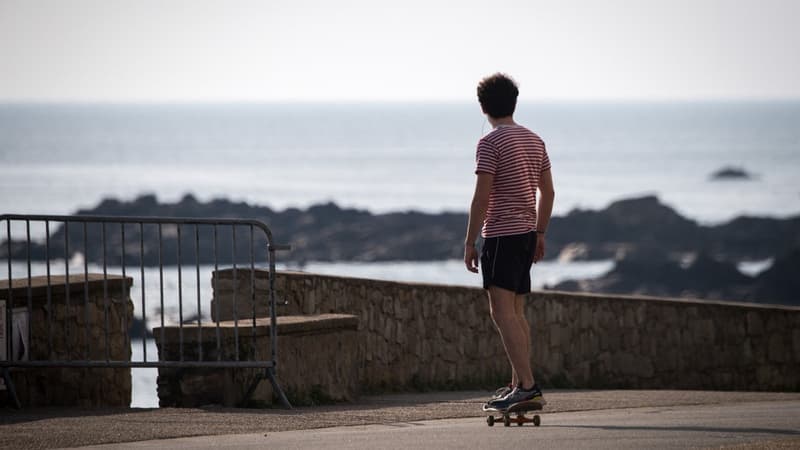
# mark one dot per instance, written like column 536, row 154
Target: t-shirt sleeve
column 486, row 158
column 545, row 159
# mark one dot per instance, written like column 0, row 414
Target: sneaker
column 502, row 392
column 518, row 395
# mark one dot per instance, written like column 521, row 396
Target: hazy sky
column 145, row 50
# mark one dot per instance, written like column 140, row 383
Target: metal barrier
column 167, row 244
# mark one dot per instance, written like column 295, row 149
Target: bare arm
column 547, row 197
column 477, row 213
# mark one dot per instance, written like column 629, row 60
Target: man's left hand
column 538, row 254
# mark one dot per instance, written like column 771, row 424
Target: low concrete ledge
column 77, row 283
column 287, row 326
column 318, row 361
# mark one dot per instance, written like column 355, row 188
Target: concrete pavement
column 568, row 415
column 678, row 427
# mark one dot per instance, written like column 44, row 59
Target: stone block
column 630, row 339
column 777, row 351
column 400, row 335
column 629, row 321
column 310, row 302
column 746, row 354
column 585, row 317
column 388, row 305
column 755, row 325
column 796, row 344
column 388, row 331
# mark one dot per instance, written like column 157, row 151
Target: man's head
column 497, row 95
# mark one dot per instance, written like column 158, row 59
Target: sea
column 383, row 157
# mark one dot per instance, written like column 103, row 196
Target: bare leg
column 519, row 309
column 503, row 309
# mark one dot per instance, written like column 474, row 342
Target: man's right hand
column 538, row 254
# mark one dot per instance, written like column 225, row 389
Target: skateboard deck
column 518, row 410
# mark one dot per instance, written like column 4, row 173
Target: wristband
column 540, row 232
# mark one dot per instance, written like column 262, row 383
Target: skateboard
column 518, row 409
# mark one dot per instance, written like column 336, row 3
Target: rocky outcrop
column 327, row 232
column 322, row 232
column 625, row 226
column 780, row 283
column 636, row 225
column 704, row 278
column 731, row 173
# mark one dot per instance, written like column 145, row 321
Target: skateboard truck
column 518, row 410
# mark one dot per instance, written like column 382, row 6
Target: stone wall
column 432, row 336
column 74, row 333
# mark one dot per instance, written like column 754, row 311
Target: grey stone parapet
column 417, row 335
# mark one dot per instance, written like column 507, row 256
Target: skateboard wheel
column 490, row 421
column 537, row 420
column 507, row 421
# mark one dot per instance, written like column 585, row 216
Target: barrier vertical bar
column 66, row 291
column 86, row 292
column 126, row 331
column 161, row 289
column 235, row 285
column 10, row 299
column 273, row 329
column 273, row 319
column 253, row 290
column 180, row 296
column 49, row 290
column 144, row 308
column 197, row 282
column 217, row 298
column 30, row 291
column 105, row 290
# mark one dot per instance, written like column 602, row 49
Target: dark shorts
column 506, row 262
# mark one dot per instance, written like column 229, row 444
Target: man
column 512, row 164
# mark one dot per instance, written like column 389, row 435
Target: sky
column 410, row 50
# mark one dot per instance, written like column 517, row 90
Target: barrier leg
column 276, row 388
column 12, row 391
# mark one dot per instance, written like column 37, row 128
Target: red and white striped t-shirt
column 516, row 157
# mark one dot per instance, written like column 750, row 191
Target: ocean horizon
column 382, row 157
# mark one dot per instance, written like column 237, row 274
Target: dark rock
column 707, row 275
column 781, row 282
column 753, row 238
column 138, row 329
column 731, row 173
column 660, row 276
column 321, row 233
column 705, row 278
column 625, row 224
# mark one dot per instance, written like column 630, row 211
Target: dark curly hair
column 497, row 95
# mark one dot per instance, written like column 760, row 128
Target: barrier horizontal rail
column 150, row 241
